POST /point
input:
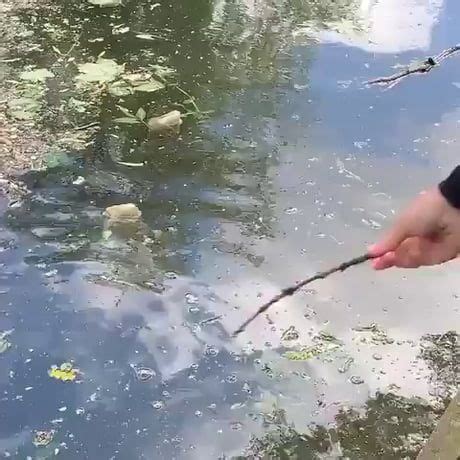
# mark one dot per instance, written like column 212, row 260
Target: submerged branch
column 424, row 67
column 293, row 289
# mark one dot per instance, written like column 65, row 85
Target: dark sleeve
column 450, row 188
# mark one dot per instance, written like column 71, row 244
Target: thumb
column 390, row 242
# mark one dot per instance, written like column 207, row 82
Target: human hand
column 426, row 233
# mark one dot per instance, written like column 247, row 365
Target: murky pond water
column 298, row 167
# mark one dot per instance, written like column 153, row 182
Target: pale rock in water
column 123, row 212
column 170, row 121
column 123, row 220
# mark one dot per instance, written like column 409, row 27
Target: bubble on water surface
column 191, row 299
column 356, row 380
column 157, row 405
column 143, row 374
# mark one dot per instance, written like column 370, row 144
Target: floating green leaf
column 120, row 88
column 149, row 87
column 302, row 355
column 324, row 343
column 163, row 71
column 307, row 353
column 141, row 114
column 106, row 3
column 65, row 372
column 36, row 75
column 136, row 78
column 102, row 71
column 126, row 111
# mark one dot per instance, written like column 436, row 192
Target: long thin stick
column 293, row 289
column 424, row 67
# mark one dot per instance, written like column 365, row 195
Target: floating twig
column 210, row 320
column 89, row 125
column 293, row 289
column 424, row 67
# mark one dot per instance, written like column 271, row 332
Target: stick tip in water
column 237, row 332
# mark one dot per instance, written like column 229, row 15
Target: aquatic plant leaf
column 302, row 355
column 141, row 114
column 136, row 78
column 306, row 353
column 66, row 372
column 126, row 111
column 127, row 120
column 149, row 87
column 120, row 88
column 163, row 71
column 102, row 71
column 36, row 75
column 106, row 3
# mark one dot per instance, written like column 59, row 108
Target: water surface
column 299, row 167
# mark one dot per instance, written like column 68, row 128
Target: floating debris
column 191, row 299
column 5, row 344
column 143, row 374
column 236, row 426
column 373, row 334
column 65, row 372
column 106, row 3
column 325, row 343
column 346, row 366
column 213, row 319
column 304, row 354
column 131, row 165
column 232, row 378
column 43, row 438
column 291, row 211
column 80, row 180
column 290, row 333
